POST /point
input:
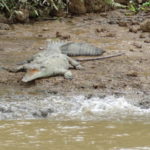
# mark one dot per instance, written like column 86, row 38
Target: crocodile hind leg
column 74, row 63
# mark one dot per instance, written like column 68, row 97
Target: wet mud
column 115, row 32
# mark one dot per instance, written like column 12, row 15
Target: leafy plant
column 9, row 6
column 134, row 7
column 145, row 5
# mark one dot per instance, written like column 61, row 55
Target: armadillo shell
column 81, row 49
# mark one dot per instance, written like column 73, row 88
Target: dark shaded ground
column 115, row 32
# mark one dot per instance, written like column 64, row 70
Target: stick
column 100, row 58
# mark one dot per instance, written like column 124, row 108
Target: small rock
column 87, row 19
column 94, row 5
column 4, row 26
column 3, row 19
column 122, row 24
column 140, row 1
column 100, row 30
column 132, row 74
column 144, row 104
column 45, row 29
column 66, row 37
column 58, row 34
column 40, row 35
column 52, row 92
column 99, row 86
column 77, row 7
column 133, row 29
column 110, row 35
column 134, row 22
column 62, row 37
column 44, row 113
column 2, row 32
column 112, row 21
column 89, row 96
column 142, row 36
column 22, row 15
column 41, row 48
column 131, row 50
column 147, row 41
column 36, row 114
column 4, row 109
column 137, row 45
column 145, row 26
column 103, row 14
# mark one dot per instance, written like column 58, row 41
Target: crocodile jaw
column 33, row 74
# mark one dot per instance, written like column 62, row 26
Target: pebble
column 147, row 41
column 132, row 74
column 142, row 36
column 45, row 29
column 41, row 48
column 133, row 29
column 4, row 26
column 137, row 45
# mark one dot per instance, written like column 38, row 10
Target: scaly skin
column 74, row 48
column 80, row 49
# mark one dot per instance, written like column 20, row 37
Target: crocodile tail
column 80, row 49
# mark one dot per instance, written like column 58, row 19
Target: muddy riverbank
column 115, row 32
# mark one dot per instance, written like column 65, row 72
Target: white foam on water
column 76, row 107
column 97, row 108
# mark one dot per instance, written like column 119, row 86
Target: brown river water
column 74, row 135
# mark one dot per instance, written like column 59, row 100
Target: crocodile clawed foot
column 68, row 75
column 79, row 67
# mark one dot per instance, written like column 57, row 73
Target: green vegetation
column 45, row 8
column 134, row 7
column 35, row 7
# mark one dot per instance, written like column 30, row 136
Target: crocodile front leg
column 75, row 64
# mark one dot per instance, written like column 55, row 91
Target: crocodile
column 55, row 61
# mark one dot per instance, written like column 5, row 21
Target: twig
column 100, row 58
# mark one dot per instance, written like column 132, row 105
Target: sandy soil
column 113, row 31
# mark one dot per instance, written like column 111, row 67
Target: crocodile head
column 33, row 74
